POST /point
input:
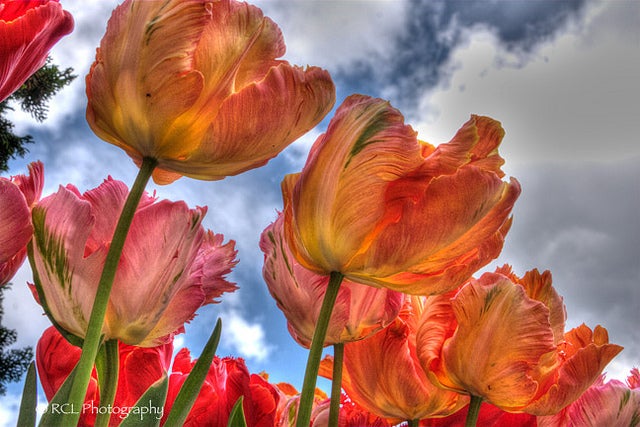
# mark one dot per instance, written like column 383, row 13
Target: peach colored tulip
column 28, row 30
column 17, row 196
column 169, row 267
column 385, row 209
column 383, row 375
column 502, row 338
column 359, row 311
column 197, row 85
column 604, row 404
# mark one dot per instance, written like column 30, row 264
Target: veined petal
column 135, row 310
column 500, row 338
column 587, row 353
column 255, row 124
column 145, row 61
column 15, row 225
column 366, row 146
column 62, row 224
column 538, row 286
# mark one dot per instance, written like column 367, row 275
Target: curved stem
column 474, row 411
column 107, row 365
column 336, row 385
column 315, row 352
column 93, row 336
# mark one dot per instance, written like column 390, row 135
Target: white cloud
column 246, row 337
column 335, row 34
column 575, row 97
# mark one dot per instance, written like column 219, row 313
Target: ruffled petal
column 587, row 353
column 15, row 223
column 255, row 124
column 501, row 336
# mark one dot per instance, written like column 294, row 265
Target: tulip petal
column 366, row 146
column 587, row 353
column 258, row 122
column 505, row 334
column 129, row 316
column 148, row 70
column 15, row 226
column 28, row 30
column 62, row 224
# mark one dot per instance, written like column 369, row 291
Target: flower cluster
column 376, row 251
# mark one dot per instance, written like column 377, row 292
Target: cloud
column 573, row 98
column 247, row 338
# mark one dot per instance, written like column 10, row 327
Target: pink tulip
column 604, row 404
column 169, row 268
column 17, row 195
column 359, row 312
column 28, row 30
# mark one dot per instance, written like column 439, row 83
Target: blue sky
column 560, row 76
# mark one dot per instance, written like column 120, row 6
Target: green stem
column 336, row 385
column 474, row 411
column 93, row 336
column 413, row 423
column 107, row 365
column 315, row 352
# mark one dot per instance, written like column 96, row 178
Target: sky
column 561, row 76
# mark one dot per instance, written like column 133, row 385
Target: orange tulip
column 28, row 30
column 382, row 373
column 197, row 86
column 502, row 338
column 383, row 208
column 360, row 310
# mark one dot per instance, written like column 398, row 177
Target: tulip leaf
column 237, row 419
column 148, row 410
column 191, row 387
column 59, row 407
column 27, row 415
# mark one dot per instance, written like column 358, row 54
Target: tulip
column 197, row 86
column 28, row 30
column 383, row 374
column 169, row 267
column 17, row 196
column 385, row 209
column 139, row 368
column 228, row 379
column 604, row 404
column 359, row 311
column 501, row 339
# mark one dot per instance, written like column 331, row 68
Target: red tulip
column 28, row 30
column 227, row 380
column 139, row 368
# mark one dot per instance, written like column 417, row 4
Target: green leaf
column 237, row 419
column 191, row 386
column 59, row 407
column 148, row 410
column 27, row 416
